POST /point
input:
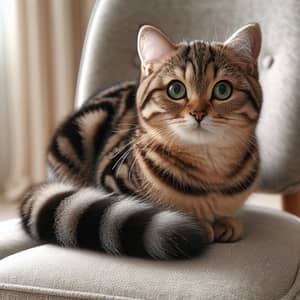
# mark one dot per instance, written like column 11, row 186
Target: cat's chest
column 206, row 188
column 216, row 164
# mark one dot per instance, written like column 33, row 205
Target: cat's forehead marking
column 200, row 55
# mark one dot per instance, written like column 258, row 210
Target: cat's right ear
column 246, row 43
column 152, row 46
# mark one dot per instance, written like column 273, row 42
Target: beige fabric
column 40, row 43
column 13, row 239
column 17, row 292
column 264, row 265
column 110, row 55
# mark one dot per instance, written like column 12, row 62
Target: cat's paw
column 208, row 235
column 227, row 230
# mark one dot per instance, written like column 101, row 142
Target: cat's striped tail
column 90, row 218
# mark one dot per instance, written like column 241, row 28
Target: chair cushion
column 13, row 239
column 264, row 265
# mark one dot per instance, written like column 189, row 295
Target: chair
column 266, row 263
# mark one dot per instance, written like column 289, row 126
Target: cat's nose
column 198, row 115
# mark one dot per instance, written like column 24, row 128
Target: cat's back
column 84, row 145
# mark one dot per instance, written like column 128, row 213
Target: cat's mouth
column 197, row 125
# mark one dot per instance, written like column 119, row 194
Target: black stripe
column 210, row 60
column 71, row 131
column 196, row 59
column 102, row 134
column 242, row 185
column 25, row 215
column 193, row 65
column 101, row 105
column 160, row 150
column 252, row 100
column 46, row 216
column 153, row 77
column 149, row 96
column 123, row 187
column 88, row 228
column 55, row 151
column 104, row 130
column 251, row 150
column 186, row 55
column 130, row 106
column 131, row 100
column 186, row 241
column 110, row 169
column 132, row 231
column 216, row 70
column 171, row 180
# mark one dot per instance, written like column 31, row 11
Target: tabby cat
column 157, row 168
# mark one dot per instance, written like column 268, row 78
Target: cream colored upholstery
column 263, row 266
column 13, row 239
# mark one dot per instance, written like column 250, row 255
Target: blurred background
column 40, row 47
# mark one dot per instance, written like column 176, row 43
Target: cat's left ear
column 246, row 42
column 152, row 46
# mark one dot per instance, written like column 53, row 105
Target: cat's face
column 199, row 93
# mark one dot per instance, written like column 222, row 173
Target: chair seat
column 13, row 239
column 264, row 265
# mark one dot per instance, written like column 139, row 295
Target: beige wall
column 40, row 44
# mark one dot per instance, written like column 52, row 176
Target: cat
column 160, row 167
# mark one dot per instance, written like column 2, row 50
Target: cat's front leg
column 208, row 234
column 227, row 229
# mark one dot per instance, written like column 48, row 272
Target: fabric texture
column 110, row 55
column 264, row 265
column 13, row 239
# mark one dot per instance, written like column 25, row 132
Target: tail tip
column 175, row 236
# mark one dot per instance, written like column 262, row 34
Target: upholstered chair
column 265, row 263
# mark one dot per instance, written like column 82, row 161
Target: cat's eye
column 176, row 90
column 222, row 90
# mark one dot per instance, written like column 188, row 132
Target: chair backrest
column 110, row 55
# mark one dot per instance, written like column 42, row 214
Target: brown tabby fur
column 199, row 66
column 207, row 172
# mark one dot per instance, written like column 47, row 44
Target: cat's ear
column 246, row 42
column 152, row 46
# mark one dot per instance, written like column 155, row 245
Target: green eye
column 176, row 90
column 222, row 90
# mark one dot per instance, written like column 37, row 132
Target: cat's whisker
column 122, row 148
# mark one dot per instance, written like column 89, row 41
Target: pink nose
column 198, row 115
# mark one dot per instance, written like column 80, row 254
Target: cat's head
column 199, row 92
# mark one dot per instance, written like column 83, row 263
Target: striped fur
column 132, row 173
column 91, row 218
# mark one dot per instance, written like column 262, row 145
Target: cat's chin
column 195, row 135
